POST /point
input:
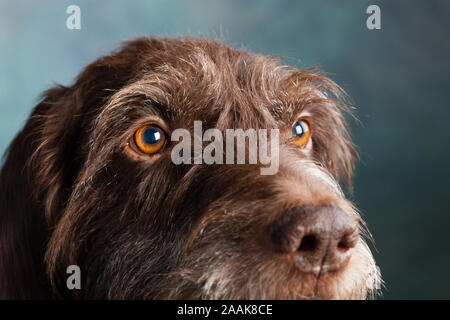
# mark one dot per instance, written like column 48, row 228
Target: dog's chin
column 331, row 286
column 273, row 279
column 308, row 287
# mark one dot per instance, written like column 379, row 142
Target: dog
column 89, row 182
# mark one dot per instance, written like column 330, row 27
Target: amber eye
column 150, row 139
column 302, row 133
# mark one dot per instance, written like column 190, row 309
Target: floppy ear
column 42, row 164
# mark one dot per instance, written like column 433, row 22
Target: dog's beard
column 223, row 257
column 220, row 272
column 237, row 276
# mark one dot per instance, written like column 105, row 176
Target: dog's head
column 91, row 181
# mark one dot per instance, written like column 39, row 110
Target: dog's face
column 141, row 226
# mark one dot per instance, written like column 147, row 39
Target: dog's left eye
column 150, row 139
column 302, row 133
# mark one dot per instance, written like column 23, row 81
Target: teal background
column 398, row 78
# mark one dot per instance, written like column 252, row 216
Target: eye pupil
column 302, row 133
column 300, row 128
column 151, row 136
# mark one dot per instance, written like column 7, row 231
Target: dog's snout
column 318, row 238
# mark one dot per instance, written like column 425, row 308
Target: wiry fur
column 71, row 193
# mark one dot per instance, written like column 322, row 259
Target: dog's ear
column 42, row 164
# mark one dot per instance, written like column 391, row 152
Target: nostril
column 343, row 245
column 347, row 242
column 308, row 244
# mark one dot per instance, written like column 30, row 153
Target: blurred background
column 398, row 78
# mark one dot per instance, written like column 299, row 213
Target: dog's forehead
column 205, row 79
column 213, row 72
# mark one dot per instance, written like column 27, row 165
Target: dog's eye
column 150, row 139
column 302, row 133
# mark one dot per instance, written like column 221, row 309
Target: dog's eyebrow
column 305, row 91
column 147, row 95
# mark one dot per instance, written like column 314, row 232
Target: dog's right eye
column 150, row 139
column 302, row 132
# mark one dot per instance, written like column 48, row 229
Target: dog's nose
column 318, row 238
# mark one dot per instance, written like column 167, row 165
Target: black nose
column 319, row 238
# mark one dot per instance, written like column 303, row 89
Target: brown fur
column 70, row 193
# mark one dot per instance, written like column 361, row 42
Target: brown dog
column 89, row 181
